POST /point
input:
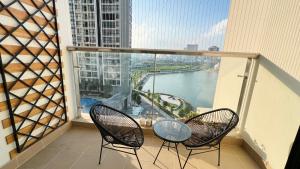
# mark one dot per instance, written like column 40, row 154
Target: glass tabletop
column 172, row 130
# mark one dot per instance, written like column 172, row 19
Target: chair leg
column 137, row 158
column 187, row 159
column 219, row 154
column 101, row 151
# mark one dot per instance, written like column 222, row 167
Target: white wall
column 274, row 114
column 65, row 34
column 4, row 148
column 271, row 28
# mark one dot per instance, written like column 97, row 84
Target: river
column 197, row 88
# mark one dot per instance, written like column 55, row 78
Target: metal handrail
column 249, row 76
column 166, row 51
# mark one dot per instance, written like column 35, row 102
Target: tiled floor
column 79, row 149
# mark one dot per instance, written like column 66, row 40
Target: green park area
column 181, row 110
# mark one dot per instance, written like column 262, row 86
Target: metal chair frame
column 112, row 146
column 213, row 144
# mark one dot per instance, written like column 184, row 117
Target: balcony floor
column 79, row 149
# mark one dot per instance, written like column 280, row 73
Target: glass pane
column 148, row 86
column 115, row 79
column 183, row 84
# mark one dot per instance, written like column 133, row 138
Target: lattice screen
column 31, row 70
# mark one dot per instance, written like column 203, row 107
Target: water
column 87, row 103
column 197, row 88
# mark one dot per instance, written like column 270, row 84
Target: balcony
column 79, row 148
column 48, row 84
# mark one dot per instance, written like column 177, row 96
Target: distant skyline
column 172, row 24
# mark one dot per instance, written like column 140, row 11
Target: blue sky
column 173, row 24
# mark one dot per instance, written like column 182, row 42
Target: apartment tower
column 102, row 23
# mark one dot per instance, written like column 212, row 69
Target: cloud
column 152, row 35
column 142, row 35
column 217, row 29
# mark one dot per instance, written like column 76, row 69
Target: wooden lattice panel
column 31, row 71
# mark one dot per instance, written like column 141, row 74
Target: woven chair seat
column 117, row 127
column 209, row 128
column 202, row 134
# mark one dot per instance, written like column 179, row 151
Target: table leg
column 159, row 151
column 176, row 144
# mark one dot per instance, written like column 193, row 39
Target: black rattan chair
column 118, row 129
column 208, row 130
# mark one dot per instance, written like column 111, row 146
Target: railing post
column 244, row 85
column 247, row 90
column 153, row 87
column 76, row 69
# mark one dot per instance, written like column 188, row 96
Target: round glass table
column 171, row 131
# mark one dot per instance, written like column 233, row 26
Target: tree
column 188, row 107
column 181, row 113
column 158, row 99
column 140, row 87
column 165, row 103
column 134, row 95
column 138, row 99
column 191, row 114
column 149, row 93
column 172, row 110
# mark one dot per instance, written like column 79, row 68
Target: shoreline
column 148, row 75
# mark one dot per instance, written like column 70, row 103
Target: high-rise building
column 103, row 23
column 213, row 48
column 115, row 31
column 192, row 47
column 84, row 22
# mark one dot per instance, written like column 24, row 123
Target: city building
column 214, row 48
column 104, row 23
column 83, row 14
column 192, row 47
